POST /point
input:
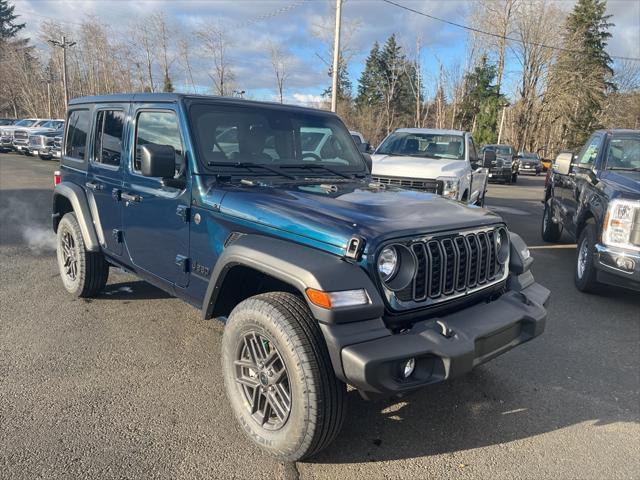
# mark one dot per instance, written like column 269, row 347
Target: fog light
column 408, row 367
column 625, row 263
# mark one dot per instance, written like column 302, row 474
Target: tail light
column 56, row 178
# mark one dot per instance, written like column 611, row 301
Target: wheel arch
column 270, row 264
column 68, row 197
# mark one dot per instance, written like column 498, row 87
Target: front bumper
column 606, row 261
column 474, row 335
column 499, row 173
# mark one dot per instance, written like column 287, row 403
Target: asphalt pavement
column 128, row 385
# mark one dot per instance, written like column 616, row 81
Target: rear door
column 105, row 175
column 156, row 216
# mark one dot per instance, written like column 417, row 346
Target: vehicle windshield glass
column 273, row 137
column 432, row 145
column 624, row 152
column 50, row 124
column 529, row 156
column 25, row 123
column 499, row 149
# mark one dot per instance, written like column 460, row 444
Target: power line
column 504, row 37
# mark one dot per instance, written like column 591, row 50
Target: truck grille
column 36, row 141
column 451, row 266
column 20, row 135
column 424, row 185
column 57, row 142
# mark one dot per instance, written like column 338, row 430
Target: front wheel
column 279, row 378
column 550, row 230
column 585, row 277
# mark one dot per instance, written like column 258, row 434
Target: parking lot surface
column 128, row 385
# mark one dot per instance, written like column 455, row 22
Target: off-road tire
column 91, row 270
column 318, row 398
column 550, row 230
column 585, row 277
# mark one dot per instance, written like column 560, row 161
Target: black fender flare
column 301, row 267
column 76, row 196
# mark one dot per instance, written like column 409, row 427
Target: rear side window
column 160, row 128
column 108, row 137
column 79, row 124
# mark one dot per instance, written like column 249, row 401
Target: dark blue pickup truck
column 265, row 216
column 595, row 197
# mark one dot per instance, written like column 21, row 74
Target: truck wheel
column 585, row 277
column 83, row 273
column 550, row 230
column 279, row 378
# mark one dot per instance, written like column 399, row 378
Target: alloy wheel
column 262, row 377
column 583, row 255
column 69, row 256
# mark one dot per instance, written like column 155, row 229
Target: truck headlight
column 396, row 266
column 387, row 263
column 622, row 224
column 450, row 186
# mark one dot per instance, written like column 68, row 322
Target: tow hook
column 445, row 331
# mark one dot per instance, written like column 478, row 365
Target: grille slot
column 451, row 265
column 424, row 185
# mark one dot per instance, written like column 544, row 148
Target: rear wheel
column 279, row 378
column 83, row 273
column 585, row 276
column 550, row 230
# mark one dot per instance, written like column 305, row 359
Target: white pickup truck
column 445, row 162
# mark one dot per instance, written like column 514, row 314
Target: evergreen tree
column 581, row 77
column 168, row 85
column 344, row 82
column 369, row 85
column 8, row 26
column 481, row 102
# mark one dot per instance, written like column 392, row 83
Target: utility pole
column 504, row 109
column 336, row 57
column 64, row 44
column 49, row 96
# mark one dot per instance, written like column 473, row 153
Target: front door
column 478, row 176
column 104, row 176
column 156, row 216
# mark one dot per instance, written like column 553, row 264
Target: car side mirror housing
column 363, row 147
column 562, row 163
column 367, row 160
column 488, row 157
column 158, row 160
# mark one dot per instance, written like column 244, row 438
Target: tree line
column 565, row 84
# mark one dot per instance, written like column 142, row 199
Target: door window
column 590, row 152
column 76, row 144
column 108, row 137
column 473, row 155
column 159, row 128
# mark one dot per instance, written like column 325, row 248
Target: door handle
column 130, row 197
column 93, row 186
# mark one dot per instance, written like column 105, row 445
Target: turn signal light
column 345, row 298
column 56, row 178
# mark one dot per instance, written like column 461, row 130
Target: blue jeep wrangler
column 264, row 216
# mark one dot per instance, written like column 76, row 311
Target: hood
column 417, row 167
column 333, row 213
column 624, row 184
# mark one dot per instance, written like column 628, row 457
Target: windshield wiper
column 626, row 169
column 250, row 165
column 310, row 166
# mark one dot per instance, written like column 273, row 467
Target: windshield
column 25, row 123
column 624, row 152
column 272, row 137
column 432, row 145
column 52, row 124
column 499, row 149
column 529, row 156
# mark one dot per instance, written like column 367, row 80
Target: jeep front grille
column 450, row 266
column 424, row 185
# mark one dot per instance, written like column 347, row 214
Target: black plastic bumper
column 609, row 272
column 476, row 335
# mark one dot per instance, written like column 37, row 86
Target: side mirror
column 363, row 147
column 488, row 158
column 367, row 160
column 562, row 163
column 158, row 160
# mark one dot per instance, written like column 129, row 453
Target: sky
column 293, row 25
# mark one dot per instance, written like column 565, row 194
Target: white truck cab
column 438, row 161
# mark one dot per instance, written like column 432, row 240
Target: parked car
column 362, row 144
column 6, row 132
column 43, row 143
column 21, row 135
column 595, row 198
column 445, row 162
column 506, row 166
column 4, row 122
column 321, row 278
column 530, row 163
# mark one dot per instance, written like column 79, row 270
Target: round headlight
column 502, row 245
column 387, row 263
